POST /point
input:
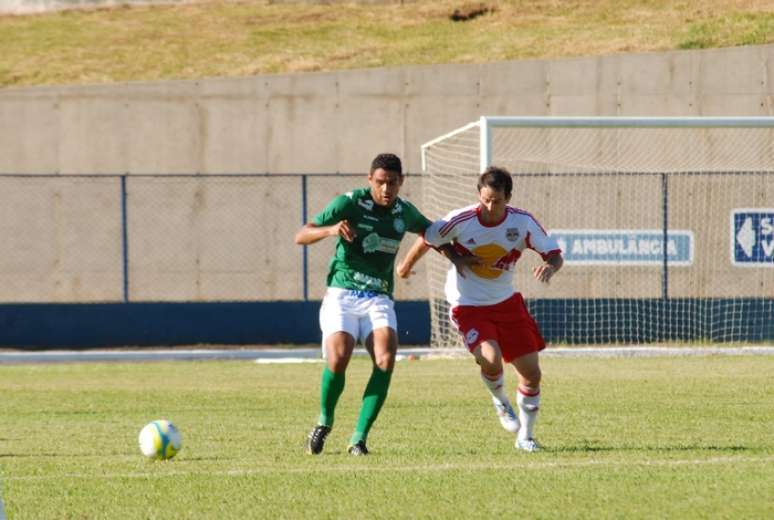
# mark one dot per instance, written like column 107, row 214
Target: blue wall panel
column 254, row 323
column 158, row 324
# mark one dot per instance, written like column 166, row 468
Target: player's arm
column 311, row 232
column 548, row 268
column 547, row 247
column 443, row 243
column 417, row 251
column 332, row 221
column 419, row 224
column 420, row 247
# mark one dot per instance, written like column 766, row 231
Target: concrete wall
column 193, row 239
column 336, row 121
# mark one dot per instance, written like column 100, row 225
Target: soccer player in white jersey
column 368, row 224
column 485, row 308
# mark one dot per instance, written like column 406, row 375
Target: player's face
column 492, row 203
column 385, row 186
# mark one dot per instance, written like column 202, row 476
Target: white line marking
column 313, row 354
column 517, row 465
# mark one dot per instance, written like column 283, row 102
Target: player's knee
column 531, row 378
column 385, row 360
column 488, row 357
column 338, row 364
column 490, row 367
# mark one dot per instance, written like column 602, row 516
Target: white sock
column 495, row 387
column 529, row 404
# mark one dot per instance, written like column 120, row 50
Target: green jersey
column 367, row 263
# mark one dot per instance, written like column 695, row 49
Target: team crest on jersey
column 367, row 204
column 512, row 234
column 399, row 225
column 471, row 336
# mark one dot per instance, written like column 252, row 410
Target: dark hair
column 497, row 179
column 388, row 162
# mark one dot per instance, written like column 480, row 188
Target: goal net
column 666, row 224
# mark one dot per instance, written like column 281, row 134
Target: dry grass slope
column 229, row 39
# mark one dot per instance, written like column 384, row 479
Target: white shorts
column 357, row 313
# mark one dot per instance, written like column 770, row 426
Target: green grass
column 747, row 29
column 229, row 39
column 628, row 438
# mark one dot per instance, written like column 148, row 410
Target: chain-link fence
column 170, row 237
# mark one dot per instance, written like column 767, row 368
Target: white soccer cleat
column 508, row 418
column 528, row 445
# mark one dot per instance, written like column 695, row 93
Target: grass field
column 243, row 38
column 625, row 438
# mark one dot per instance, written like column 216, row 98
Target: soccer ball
column 160, row 440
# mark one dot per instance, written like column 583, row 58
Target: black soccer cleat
column 358, row 450
column 315, row 442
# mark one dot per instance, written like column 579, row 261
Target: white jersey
column 498, row 245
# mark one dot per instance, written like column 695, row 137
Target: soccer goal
column 666, row 224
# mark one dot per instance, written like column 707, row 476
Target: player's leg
column 520, row 342
column 338, row 351
column 528, row 399
column 380, row 331
column 489, row 357
column 340, row 329
column 480, row 335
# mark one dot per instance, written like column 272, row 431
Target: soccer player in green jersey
column 369, row 224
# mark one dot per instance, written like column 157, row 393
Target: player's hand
column 544, row 272
column 462, row 262
column 344, row 230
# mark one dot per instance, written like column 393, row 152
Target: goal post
column 666, row 223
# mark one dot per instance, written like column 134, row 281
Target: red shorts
column 507, row 322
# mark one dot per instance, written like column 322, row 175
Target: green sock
column 330, row 390
column 373, row 398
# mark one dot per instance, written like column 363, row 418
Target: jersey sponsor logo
column 625, row 247
column 505, row 263
column 367, row 204
column 369, row 282
column 373, row 243
column 367, row 227
column 369, row 217
column 471, row 336
column 494, row 260
column 358, row 293
column 512, row 234
column 752, row 237
column 399, row 225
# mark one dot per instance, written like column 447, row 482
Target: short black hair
column 497, row 179
column 388, row 162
